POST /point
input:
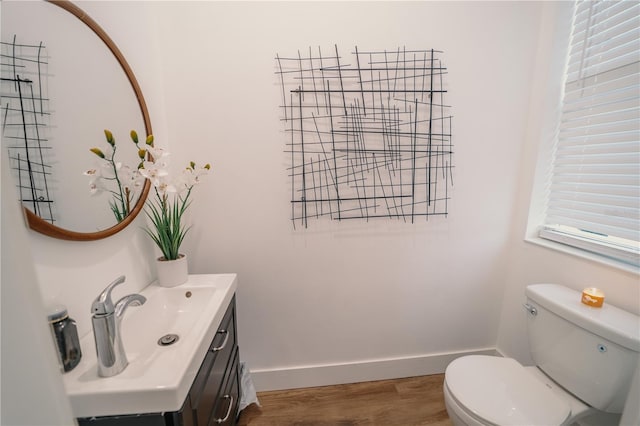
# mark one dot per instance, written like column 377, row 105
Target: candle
column 593, row 297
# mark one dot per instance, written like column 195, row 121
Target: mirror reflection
column 60, row 90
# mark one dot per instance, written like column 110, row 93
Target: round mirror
column 65, row 82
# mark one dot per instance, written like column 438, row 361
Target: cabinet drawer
column 217, row 361
column 227, row 405
column 212, row 354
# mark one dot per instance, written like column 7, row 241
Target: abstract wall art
column 368, row 134
column 25, row 117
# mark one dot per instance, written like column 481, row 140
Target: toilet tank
column 591, row 352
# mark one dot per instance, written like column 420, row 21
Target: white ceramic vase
column 172, row 273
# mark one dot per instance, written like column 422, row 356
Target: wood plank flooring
column 404, row 402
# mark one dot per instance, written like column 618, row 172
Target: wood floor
column 403, row 402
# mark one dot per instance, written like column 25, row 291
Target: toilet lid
column 500, row 391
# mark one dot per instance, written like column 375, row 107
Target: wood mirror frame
column 42, row 226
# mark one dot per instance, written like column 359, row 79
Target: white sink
column 158, row 378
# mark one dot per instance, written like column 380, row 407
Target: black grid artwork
column 25, row 117
column 368, row 135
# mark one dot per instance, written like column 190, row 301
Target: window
column 594, row 191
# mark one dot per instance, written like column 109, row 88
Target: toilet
column 584, row 358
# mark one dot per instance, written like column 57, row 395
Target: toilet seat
column 500, row 391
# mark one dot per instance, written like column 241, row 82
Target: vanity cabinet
column 214, row 395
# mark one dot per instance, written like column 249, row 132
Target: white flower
column 165, row 187
column 159, row 156
column 105, row 169
column 191, row 177
column 187, row 179
column 92, row 172
column 95, row 186
column 153, row 172
column 131, row 178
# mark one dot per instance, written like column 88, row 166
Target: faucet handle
column 103, row 303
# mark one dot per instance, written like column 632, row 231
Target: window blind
column 594, row 193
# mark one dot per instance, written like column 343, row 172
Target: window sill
column 603, row 260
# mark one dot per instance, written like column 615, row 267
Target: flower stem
column 125, row 210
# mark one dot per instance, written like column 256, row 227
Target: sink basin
column 158, row 378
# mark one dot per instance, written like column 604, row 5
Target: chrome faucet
column 106, row 319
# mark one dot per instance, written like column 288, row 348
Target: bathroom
column 338, row 301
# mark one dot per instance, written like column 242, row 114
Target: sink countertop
column 157, row 378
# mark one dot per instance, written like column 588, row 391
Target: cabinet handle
column 224, row 342
column 226, row 417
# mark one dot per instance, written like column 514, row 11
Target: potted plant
column 166, row 205
column 165, row 209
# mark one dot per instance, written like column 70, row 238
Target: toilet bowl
column 490, row 390
column 584, row 361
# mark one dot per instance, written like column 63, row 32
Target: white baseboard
column 354, row 372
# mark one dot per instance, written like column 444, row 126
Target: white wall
column 30, row 371
column 340, row 293
column 337, row 293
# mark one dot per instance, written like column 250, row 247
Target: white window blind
column 594, row 192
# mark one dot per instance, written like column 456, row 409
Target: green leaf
column 167, row 232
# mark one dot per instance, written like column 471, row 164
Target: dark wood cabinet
column 219, row 367
column 215, row 392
